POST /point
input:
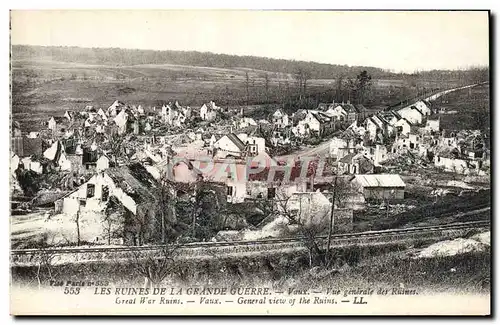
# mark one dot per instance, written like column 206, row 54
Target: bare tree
column 44, row 260
column 77, row 222
column 340, row 191
column 339, row 87
column 117, row 147
column 301, row 77
column 266, row 86
column 166, row 204
column 434, row 185
column 155, row 266
column 362, row 86
column 247, row 86
column 308, row 231
column 113, row 221
column 207, row 210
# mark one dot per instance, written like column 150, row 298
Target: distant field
column 52, row 87
column 472, row 107
column 42, row 88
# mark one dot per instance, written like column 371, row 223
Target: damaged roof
column 320, row 116
column 136, row 182
column 237, row 141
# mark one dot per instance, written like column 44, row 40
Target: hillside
column 126, row 57
column 50, row 80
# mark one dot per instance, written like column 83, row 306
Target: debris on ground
column 454, row 247
column 483, row 238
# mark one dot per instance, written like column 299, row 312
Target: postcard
column 250, row 162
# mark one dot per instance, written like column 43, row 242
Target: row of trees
column 117, row 56
column 295, row 92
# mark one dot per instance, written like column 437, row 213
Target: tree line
column 313, row 70
column 117, row 56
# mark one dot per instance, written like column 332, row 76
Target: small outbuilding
column 379, row 186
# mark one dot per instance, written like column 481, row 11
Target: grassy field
column 41, row 88
column 472, row 108
column 383, row 266
column 447, row 209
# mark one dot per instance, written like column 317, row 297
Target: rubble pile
column 478, row 243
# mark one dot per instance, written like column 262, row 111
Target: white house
column 457, row 164
column 52, row 124
column 355, row 163
column 121, row 121
column 208, row 112
column 378, row 153
column 255, row 145
column 103, row 115
column 68, row 115
column 280, row 119
column 230, row 144
column 423, row 108
column 313, row 122
column 448, row 140
column 102, row 163
column 114, row 108
column 173, row 116
column 342, row 146
column 280, row 137
column 244, row 122
column 383, row 125
column 302, row 129
column 57, row 154
column 337, row 112
column 165, row 112
column 412, row 114
column 187, row 111
column 122, row 182
column 316, row 121
column 372, row 128
column 403, row 126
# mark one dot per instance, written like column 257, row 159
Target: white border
column 187, row 4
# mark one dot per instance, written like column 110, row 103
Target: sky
column 399, row 41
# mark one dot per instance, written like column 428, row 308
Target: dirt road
column 321, row 150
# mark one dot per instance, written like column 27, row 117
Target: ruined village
column 150, row 174
column 259, row 162
column 129, row 174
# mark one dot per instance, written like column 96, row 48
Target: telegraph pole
column 330, row 230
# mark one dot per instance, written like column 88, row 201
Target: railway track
column 240, row 248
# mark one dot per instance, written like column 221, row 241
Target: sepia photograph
column 250, row 162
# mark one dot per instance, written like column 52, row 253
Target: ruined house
column 355, row 163
column 128, row 189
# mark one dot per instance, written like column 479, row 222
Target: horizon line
column 386, row 70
